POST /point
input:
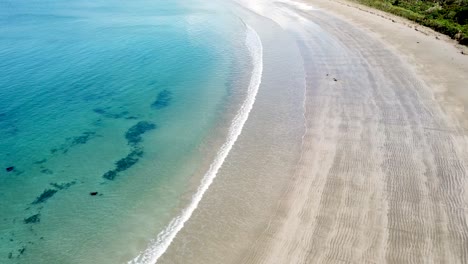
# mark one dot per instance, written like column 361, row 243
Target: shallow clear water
column 114, row 97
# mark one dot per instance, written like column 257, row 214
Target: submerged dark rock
column 135, row 132
column 163, row 100
column 93, row 193
column 9, row 169
column 33, row 219
column 46, row 195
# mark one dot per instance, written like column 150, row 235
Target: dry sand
column 382, row 176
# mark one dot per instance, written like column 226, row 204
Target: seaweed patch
column 110, row 175
column 9, row 131
column 124, row 164
column 33, row 219
column 74, row 141
column 135, row 132
column 134, row 137
column 83, row 138
column 163, row 100
column 47, row 171
column 63, row 186
column 46, row 195
column 40, row 161
column 20, row 252
column 127, row 162
column 100, row 111
column 105, row 113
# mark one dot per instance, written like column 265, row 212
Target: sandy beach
column 380, row 175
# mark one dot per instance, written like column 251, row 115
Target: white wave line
column 164, row 239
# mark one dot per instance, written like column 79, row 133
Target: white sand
column 382, row 176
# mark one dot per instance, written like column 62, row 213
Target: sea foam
column 158, row 246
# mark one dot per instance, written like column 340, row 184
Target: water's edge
column 164, row 239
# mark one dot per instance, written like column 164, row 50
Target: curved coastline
column 382, row 161
column 164, row 239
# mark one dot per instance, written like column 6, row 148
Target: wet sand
column 382, row 176
column 380, row 171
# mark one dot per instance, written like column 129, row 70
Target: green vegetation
column 449, row 17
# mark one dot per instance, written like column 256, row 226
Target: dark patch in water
column 153, row 83
column 10, row 131
column 63, row 186
column 40, row 161
column 83, row 139
column 134, row 133
column 21, row 251
column 163, row 100
column 130, row 160
column 98, row 122
column 47, row 171
column 110, row 175
column 124, row 164
column 93, row 193
column 33, row 219
column 9, row 169
column 105, row 113
column 134, row 137
column 46, row 195
column 74, row 141
column 99, row 111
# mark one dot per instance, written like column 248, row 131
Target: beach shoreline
column 380, row 175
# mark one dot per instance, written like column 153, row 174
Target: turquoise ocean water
column 112, row 98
